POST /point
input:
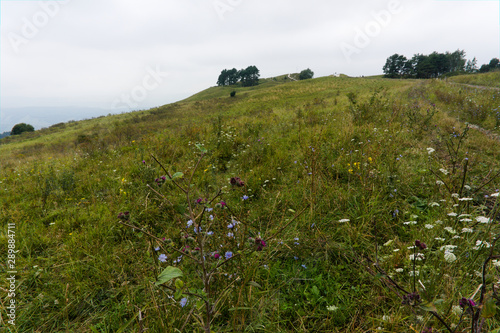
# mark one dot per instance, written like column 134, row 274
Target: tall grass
column 339, row 183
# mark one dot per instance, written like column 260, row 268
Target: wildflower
column 420, row 245
column 157, row 248
column 216, row 255
column 245, row 197
column 444, row 171
column 419, row 256
column 448, row 248
column 189, row 223
column 464, row 302
column 430, row 150
column 143, row 162
column 469, row 230
column 429, row 226
column 344, row 220
column 332, row 308
column 211, row 217
column 260, row 243
column 438, row 182
column 210, row 233
column 449, row 256
column 230, row 235
column 125, row 216
column 162, row 257
column 398, row 270
column 297, row 241
column 440, row 239
column 237, row 181
column 208, row 209
column 456, row 310
column 228, row 255
column 410, row 222
column 452, row 214
column 480, row 244
column 411, row 298
column 495, row 194
column 465, row 199
column 434, row 204
column 482, row 219
column 304, row 266
column 454, row 195
column 183, row 302
column 450, row 230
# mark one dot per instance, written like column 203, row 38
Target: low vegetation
column 334, row 204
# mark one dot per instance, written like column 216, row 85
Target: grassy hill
column 291, row 207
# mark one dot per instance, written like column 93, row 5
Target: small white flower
column 386, row 318
column 465, row 220
column 448, row 248
column 495, row 194
column 450, row 230
column 467, row 230
column 410, row 222
column 440, row 239
column 439, row 222
column 332, row 308
column 457, row 310
column 430, row 150
column 465, row 199
column 440, row 183
column 398, row 270
column 429, row 226
column 449, row 256
column 420, row 256
column 416, row 273
column 482, row 219
column 454, row 195
column 395, row 250
column 467, row 187
column 464, row 215
column 344, row 220
column 452, row 214
column 434, row 204
column 444, row 171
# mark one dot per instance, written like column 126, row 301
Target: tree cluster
column 248, row 77
column 425, row 66
column 493, row 65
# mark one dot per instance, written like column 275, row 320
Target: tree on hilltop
column 21, row 128
column 306, row 74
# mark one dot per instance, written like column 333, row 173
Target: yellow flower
column 370, row 159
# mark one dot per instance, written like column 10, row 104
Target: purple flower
column 420, row 245
column 162, row 257
column 230, row 235
column 216, row 255
column 237, row 181
column 189, row 223
column 183, row 302
column 157, row 248
column 228, row 255
column 464, row 302
column 124, row 216
column 245, row 197
column 143, row 162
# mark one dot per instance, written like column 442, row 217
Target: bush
column 233, row 93
column 306, row 74
column 20, row 128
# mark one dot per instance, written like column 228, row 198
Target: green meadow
column 334, row 204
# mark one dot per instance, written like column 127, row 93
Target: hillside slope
column 292, row 207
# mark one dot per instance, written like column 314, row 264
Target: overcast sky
column 141, row 54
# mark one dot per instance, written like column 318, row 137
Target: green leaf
column 429, row 307
column 201, row 148
column 254, row 284
column 168, row 274
column 315, row 290
column 179, row 284
column 240, row 308
column 489, row 308
column 177, row 175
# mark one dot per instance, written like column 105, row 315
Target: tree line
column 248, row 77
column 434, row 65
